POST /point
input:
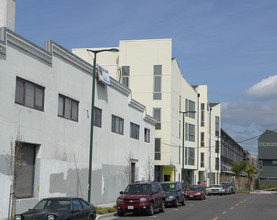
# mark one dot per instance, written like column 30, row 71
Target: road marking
column 241, row 202
column 223, row 213
column 237, row 204
column 215, row 218
column 231, row 207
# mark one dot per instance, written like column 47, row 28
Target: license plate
column 190, row 195
column 130, row 207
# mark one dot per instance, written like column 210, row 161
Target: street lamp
column 92, row 112
column 183, row 145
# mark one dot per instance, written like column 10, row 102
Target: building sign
column 103, row 75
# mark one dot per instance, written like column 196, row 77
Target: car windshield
column 193, row 188
column 168, row 187
column 53, row 205
column 138, row 188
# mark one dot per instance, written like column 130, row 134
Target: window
column 25, row 155
column 190, row 132
column 202, row 114
column 217, row 146
column 202, row 160
column 117, row 125
column 179, row 129
column 157, row 148
column 68, row 108
column 125, row 75
column 190, row 107
column 261, row 165
column 134, row 131
column 29, row 94
column 202, row 144
column 97, row 117
column 179, row 154
column 157, row 93
column 157, row 116
column 217, row 163
column 191, row 156
column 216, row 126
column 76, row 204
column 147, row 135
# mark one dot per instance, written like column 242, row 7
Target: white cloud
column 265, row 89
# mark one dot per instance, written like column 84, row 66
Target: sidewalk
column 265, row 192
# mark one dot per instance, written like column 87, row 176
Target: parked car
column 215, row 189
column 174, row 193
column 141, row 197
column 230, row 186
column 195, row 192
column 62, row 208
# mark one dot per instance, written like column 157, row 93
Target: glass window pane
column 67, row 108
column 74, row 112
column 29, row 98
column 61, row 106
column 157, row 69
column 157, row 84
column 19, row 94
column 38, row 97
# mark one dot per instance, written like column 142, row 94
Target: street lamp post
column 92, row 113
column 183, row 145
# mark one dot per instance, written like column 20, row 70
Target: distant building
column 231, row 151
column 267, row 155
column 250, row 158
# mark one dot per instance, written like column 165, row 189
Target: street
column 230, row 207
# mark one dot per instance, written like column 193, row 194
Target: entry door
column 133, row 172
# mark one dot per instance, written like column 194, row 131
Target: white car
column 215, row 189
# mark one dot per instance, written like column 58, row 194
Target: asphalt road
column 229, row 207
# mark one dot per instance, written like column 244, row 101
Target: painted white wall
column 7, row 14
column 61, row 164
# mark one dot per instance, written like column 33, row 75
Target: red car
column 142, row 197
column 195, row 192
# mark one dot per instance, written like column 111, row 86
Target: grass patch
column 105, row 210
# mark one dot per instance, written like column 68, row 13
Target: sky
column 229, row 45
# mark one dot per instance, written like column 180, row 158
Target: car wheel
column 151, row 209
column 176, row 203
column 120, row 213
column 162, row 206
column 91, row 218
column 183, row 202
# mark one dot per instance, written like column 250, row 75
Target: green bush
column 105, row 210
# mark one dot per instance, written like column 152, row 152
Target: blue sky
column 229, row 45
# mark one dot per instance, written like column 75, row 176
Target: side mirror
column 121, row 192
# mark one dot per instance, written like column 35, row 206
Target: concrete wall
column 62, row 146
column 7, row 13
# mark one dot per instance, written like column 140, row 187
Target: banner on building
column 103, row 75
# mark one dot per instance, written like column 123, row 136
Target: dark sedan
column 174, row 193
column 60, row 209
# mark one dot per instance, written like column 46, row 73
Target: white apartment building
column 46, row 98
column 148, row 69
column 209, row 138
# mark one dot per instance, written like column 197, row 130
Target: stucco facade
column 209, row 138
column 60, row 142
column 156, row 81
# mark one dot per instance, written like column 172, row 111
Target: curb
column 106, row 215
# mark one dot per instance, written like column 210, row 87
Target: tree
column 251, row 171
column 15, row 168
column 148, row 169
